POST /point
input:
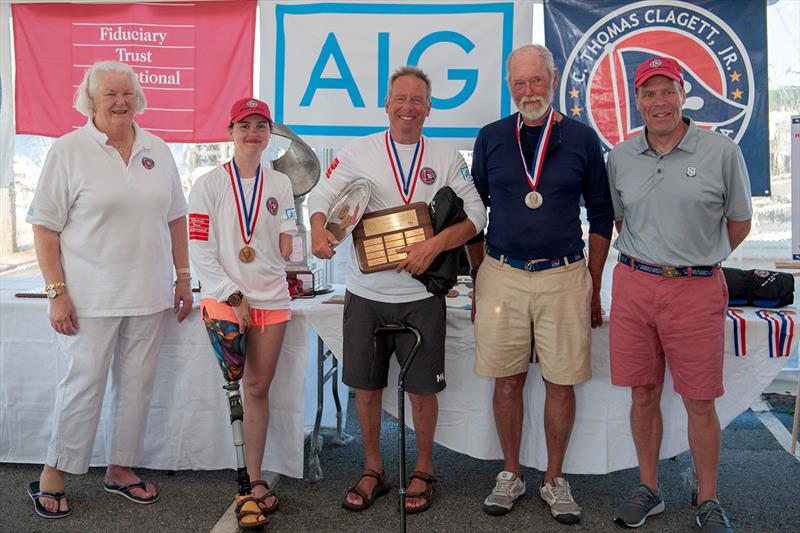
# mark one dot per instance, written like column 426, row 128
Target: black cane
column 401, row 407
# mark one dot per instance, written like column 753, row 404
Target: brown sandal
column 248, row 514
column 426, row 494
column 262, row 501
column 366, row 500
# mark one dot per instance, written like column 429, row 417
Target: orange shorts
column 260, row 317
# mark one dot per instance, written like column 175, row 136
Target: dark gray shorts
column 364, row 370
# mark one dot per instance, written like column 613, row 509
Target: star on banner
column 735, row 76
column 576, row 110
column 737, row 94
column 574, row 93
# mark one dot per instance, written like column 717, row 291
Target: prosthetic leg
column 230, row 349
column 401, row 404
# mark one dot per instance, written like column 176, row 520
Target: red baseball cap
column 245, row 107
column 658, row 66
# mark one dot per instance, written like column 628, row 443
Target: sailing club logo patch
column 427, row 175
column 148, row 163
column 272, row 205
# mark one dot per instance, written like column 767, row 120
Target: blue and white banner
column 721, row 46
column 324, row 66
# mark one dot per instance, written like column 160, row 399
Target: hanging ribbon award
column 405, row 184
column 534, row 199
column 248, row 215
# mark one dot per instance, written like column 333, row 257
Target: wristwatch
column 55, row 289
column 235, row 299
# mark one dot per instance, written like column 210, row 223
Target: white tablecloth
column 601, row 440
column 188, row 426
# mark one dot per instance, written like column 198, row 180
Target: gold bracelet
column 185, row 270
column 183, row 279
column 56, row 285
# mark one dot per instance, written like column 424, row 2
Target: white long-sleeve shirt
column 215, row 238
column 371, row 159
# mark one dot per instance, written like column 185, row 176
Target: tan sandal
column 366, row 499
column 248, row 513
column 262, row 501
column 426, row 494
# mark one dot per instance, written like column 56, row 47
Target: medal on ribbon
column 247, row 215
column 405, row 184
column 534, row 199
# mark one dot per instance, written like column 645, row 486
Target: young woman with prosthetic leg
column 241, row 222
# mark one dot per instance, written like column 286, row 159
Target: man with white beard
column 531, row 169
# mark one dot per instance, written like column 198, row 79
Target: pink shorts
column 679, row 320
column 260, row 317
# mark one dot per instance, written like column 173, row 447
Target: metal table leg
column 340, row 438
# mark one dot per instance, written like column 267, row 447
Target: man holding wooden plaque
column 393, row 241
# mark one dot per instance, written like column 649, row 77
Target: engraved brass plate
column 378, row 248
column 380, row 234
column 393, row 238
column 377, row 261
column 392, row 222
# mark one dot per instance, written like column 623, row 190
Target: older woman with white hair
column 109, row 223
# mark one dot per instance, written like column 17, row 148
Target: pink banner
column 192, row 59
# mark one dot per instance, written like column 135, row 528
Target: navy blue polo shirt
column 573, row 167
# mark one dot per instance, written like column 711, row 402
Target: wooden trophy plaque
column 379, row 234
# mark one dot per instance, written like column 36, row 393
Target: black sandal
column 35, row 494
column 262, row 501
column 366, row 499
column 426, row 494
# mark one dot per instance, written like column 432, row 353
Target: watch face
column 235, row 299
column 52, row 293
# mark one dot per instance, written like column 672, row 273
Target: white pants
column 132, row 343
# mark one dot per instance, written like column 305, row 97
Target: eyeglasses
column 536, row 81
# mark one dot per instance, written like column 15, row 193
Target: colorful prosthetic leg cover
column 230, row 346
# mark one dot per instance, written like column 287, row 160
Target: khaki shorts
column 514, row 306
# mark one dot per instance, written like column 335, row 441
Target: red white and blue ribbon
column 739, row 333
column 780, row 331
column 405, row 183
column 247, row 215
column 535, row 172
column 787, row 327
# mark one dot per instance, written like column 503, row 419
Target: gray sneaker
column 562, row 504
column 641, row 503
column 507, row 489
column 711, row 518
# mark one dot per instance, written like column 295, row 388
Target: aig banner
column 192, row 60
column 721, row 46
column 324, row 66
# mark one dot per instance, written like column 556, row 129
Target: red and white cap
column 658, row 66
column 245, row 107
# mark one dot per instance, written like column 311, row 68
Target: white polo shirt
column 116, row 250
column 215, row 238
column 369, row 158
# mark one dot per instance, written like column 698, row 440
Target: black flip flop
column 35, row 494
column 125, row 490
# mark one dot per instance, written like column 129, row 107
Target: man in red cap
column 682, row 204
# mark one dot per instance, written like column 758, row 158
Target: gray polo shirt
column 674, row 206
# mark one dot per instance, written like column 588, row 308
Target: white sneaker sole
column 658, row 509
column 499, row 510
